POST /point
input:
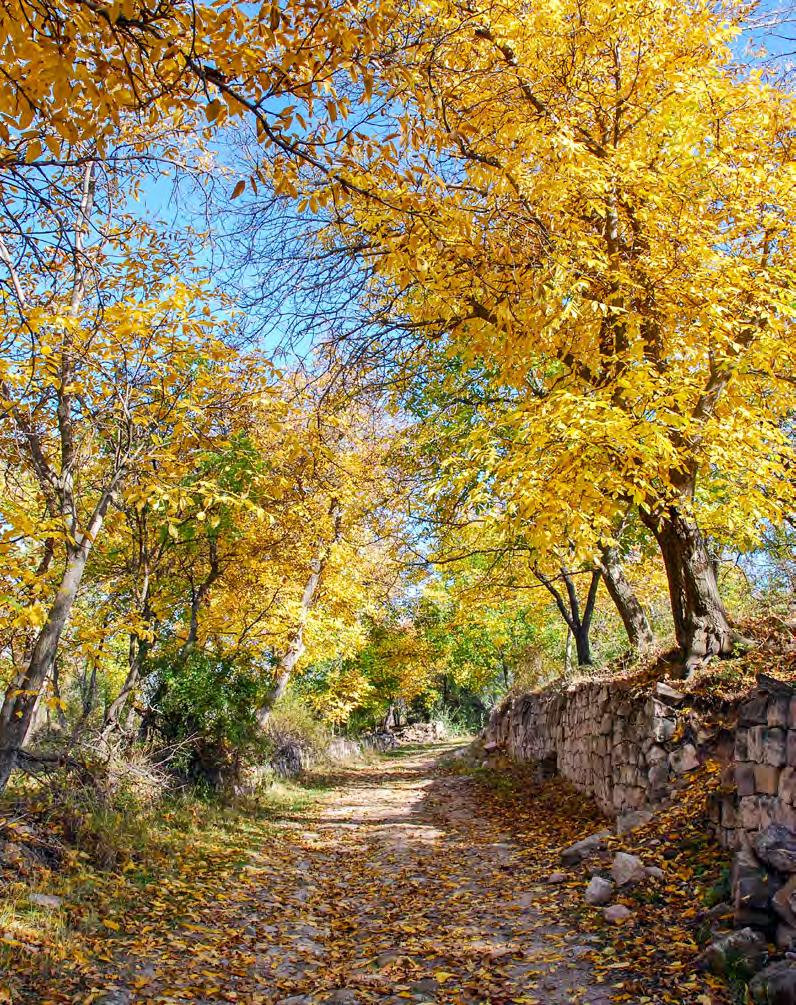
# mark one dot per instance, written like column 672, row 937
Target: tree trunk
column 20, row 699
column 583, row 646
column 700, row 620
column 578, row 623
column 296, row 647
column 137, row 655
column 634, row 619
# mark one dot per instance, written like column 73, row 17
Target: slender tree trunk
column 700, row 619
column 637, row 626
column 19, row 702
column 135, row 663
column 295, row 648
column 577, row 621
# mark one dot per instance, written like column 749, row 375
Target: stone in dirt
column 627, row 869
column 631, row 821
column 742, row 953
column 776, row 985
column 48, row 900
column 617, row 914
column 776, row 846
column 599, row 891
column 584, row 849
column 557, row 877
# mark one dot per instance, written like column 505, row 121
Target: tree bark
column 700, row 619
column 637, row 626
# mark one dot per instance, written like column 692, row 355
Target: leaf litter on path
column 405, row 884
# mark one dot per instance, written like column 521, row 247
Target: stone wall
column 628, row 748
column 760, row 780
column 620, row 746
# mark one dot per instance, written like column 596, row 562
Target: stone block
column 745, row 778
column 684, row 759
column 754, row 711
column 742, row 744
column 767, row 779
column 669, row 694
column 775, row 747
column 790, row 748
column 663, row 729
column 658, row 775
column 784, row 902
column 749, row 813
column 787, row 786
column 757, row 743
column 776, row 846
column 778, row 710
column 743, row 952
column 785, row 938
column 657, row 754
column 792, row 713
column 627, row 869
column 783, row 814
column 729, row 814
column 776, row 985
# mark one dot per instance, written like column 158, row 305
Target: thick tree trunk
column 637, row 626
column 700, row 620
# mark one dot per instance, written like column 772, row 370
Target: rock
column 776, row 846
column 584, row 849
column 776, row 985
column 599, row 891
column 740, row 954
column 784, row 902
column 752, row 887
column 669, row 694
column 754, row 711
column 425, row 986
column 785, row 938
column 654, row 872
column 343, row 996
column 775, row 747
column 627, row 869
column 663, row 729
column 557, row 877
column 13, row 853
column 631, row 821
column 684, row 759
column 617, row 914
column 48, row 900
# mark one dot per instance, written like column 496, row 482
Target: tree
column 597, row 203
column 109, row 375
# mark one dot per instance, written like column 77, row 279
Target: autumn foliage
column 563, row 401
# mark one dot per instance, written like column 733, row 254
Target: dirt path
column 395, row 889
